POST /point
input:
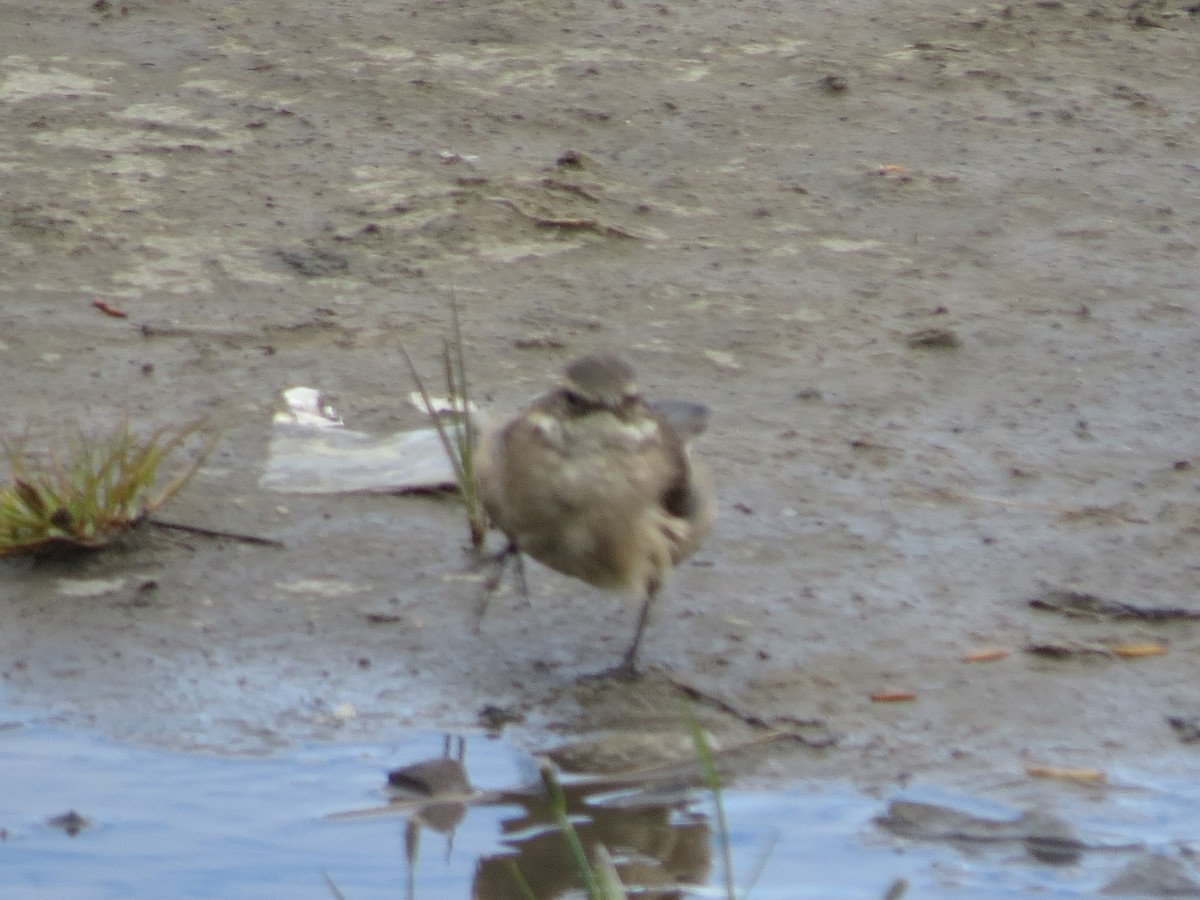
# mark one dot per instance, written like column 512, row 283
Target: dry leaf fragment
column 1067, row 773
column 893, row 696
column 836, row 84
column 1187, row 727
column 381, row 618
column 934, row 339
column 71, row 822
column 984, row 654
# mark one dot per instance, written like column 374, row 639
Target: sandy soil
column 760, row 204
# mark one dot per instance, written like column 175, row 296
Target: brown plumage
column 596, row 483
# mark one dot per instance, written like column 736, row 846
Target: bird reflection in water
column 658, row 843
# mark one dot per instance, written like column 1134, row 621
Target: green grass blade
column 463, row 388
column 610, row 879
column 558, row 809
column 713, row 782
column 523, row 887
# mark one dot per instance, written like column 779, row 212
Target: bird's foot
column 626, row 670
column 498, row 564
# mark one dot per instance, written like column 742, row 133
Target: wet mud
column 934, row 269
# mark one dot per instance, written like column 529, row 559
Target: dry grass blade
column 103, row 487
column 173, row 487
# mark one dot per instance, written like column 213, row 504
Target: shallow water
column 174, row 824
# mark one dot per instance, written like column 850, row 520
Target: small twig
column 218, row 533
column 686, row 772
column 1069, row 513
column 1083, row 605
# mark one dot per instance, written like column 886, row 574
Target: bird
column 595, row 482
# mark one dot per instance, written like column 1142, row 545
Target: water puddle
column 82, row 816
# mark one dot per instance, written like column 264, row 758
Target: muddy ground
column 760, row 204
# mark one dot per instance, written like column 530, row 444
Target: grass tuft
column 459, row 440
column 102, row 488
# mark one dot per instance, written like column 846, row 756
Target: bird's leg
column 498, row 562
column 628, row 667
column 519, row 571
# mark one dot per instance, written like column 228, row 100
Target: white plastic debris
column 312, row 452
column 306, row 406
column 441, row 405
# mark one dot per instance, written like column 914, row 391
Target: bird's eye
column 576, row 402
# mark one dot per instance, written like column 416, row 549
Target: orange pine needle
column 1133, row 651
column 893, row 696
column 984, row 654
column 108, row 309
column 1067, row 773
